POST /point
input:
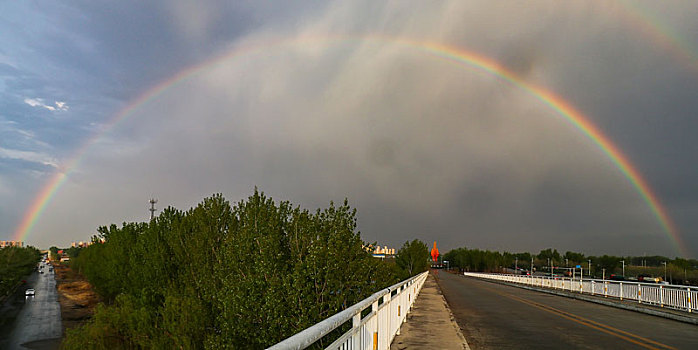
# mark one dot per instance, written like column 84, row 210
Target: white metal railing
column 374, row 331
column 676, row 297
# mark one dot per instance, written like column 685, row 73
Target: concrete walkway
column 430, row 324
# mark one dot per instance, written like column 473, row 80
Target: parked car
column 615, row 277
column 29, row 292
column 649, row 279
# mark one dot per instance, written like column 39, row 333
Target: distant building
column 385, row 250
column 4, row 244
column 80, row 244
column 380, row 252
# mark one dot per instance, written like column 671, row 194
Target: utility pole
column 623, row 261
column 531, row 265
column 152, row 207
column 589, row 268
column 516, row 265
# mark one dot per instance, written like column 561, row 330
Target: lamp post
column 623, row 261
column 589, row 267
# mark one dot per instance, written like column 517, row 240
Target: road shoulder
column 76, row 297
column 430, row 323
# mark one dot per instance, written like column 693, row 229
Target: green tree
column 610, row 263
column 574, row 259
column 53, row 253
column 16, row 263
column 550, row 254
column 248, row 275
column 413, row 257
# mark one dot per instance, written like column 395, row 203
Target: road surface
column 37, row 320
column 495, row 316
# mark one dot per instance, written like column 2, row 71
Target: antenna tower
column 152, row 207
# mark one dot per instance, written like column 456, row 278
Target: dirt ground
column 76, row 296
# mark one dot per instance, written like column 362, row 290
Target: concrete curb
column 603, row 301
column 453, row 319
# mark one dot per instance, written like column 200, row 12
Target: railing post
column 387, row 300
column 605, row 289
column 639, row 293
column 356, row 336
column 592, row 287
column 661, row 295
column 621, row 290
column 374, row 309
column 688, row 297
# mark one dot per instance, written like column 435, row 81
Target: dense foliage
column 678, row 270
column 413, row 258
column 15, row 264
column 221, row 276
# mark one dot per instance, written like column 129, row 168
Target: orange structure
column 434, row 252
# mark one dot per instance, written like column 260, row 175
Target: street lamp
column 623, row 261
column 589, row 267
column 516, row 264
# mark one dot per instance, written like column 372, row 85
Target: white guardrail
column 374, row 331
column 676, row 297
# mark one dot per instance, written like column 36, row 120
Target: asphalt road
column 33, row 321
column 495, row 316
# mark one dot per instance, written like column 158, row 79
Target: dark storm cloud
column 423, row 147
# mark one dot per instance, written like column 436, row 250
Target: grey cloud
column 424, row 148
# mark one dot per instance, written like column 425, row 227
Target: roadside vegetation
column 15, row 264
column 678, row 270
column 225, row 276
column 412, row 258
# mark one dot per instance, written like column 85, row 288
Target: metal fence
column 676, row 297
column 376, row 330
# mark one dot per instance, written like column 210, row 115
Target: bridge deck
column 429, row 324
column 495, row 316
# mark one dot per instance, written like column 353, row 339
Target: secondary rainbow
column 659, row 33
column 453, row 54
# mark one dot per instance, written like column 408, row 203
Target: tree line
column 684, row 271
column 222, row 276
column 15, row 264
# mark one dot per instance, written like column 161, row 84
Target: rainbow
column 660, row 34
column 453, row 54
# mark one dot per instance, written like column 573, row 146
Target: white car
column 29, row 292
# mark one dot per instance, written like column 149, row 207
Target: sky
column 317, row 101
